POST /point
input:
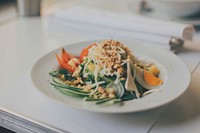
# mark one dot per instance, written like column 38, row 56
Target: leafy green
column 66, row 73
column 140, row 88
column 54, row 73
column 71, row 94
column 89, row 78
column 72, row 91
column 93, row 99
column 128, row 96
column 104, row 100
column 82, row 67
column 60, row 83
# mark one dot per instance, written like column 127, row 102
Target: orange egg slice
column 150, row 79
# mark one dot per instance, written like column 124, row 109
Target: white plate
column 174, row 72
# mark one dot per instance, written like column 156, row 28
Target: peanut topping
column 110, row 54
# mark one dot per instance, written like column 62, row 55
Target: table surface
column 24, row 109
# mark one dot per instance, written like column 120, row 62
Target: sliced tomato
column 64, row 65
column 85, row 52
column 91, row 45
column 64, row 56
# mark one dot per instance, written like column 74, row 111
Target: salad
column 105, row 72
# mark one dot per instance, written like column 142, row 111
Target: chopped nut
column 95, row 96
column 62, row 77
column 76, row 72
column 90, row 95
column 120, row 70
column 104, row 95
column 87, row 89
column 116, row 66
column 110, row 90
column 79, row 86
column 110, row 54
column 111, row 96
column 122, row 78
column 72, row 64
column 101, row 90
column 75, row 60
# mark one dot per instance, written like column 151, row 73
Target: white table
column 24, row 109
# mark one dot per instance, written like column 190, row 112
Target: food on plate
column 105, row 72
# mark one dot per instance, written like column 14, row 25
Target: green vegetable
column 68, row 87
column 107, row 79
column 61, row 84
column 89, row 78
column 71, row 91
column 141, row 89
column 128, row 96
column 71, row 94
column 104, row 100
column 64, row 72
column 117, row 101
column 93, row 99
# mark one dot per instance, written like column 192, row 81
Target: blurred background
column 186, row 11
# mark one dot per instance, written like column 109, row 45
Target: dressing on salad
column 105, row 72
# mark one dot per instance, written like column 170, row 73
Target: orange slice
column 150, row 79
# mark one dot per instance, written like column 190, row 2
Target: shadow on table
column 4, row 130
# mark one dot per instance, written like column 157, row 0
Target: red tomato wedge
column 64, row 65
column 85, row 52
column 64, row 56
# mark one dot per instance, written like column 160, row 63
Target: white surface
column 138, row 26
column 24, row 50
column 19, row 95
column 171, row 67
